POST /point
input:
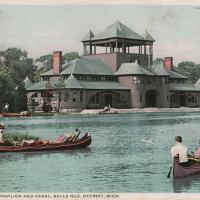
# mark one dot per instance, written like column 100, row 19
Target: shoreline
column 120, row 111
column 136, row 110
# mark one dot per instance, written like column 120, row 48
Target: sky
column 43, row 29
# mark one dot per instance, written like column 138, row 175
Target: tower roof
column 118, row 30
column 88, row 36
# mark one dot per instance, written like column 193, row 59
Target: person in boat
column 2, row 128
column 180, row 150
column 6, row 108
column 73, row 136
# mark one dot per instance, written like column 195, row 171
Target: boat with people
column 62, row 143
column 108, row 110
column 192, row 168
column 21, row 114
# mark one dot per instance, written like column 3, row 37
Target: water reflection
column 14, row 156
column 185, row 184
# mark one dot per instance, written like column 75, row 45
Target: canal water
column 129, row 153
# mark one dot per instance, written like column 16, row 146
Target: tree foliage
column 20, row 99
column 6, row 89
column 18, row 64
column 189, row 69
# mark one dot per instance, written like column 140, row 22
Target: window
column 74, row 99
column 166, row 80
column 96, row 78
column 172, row 99
column 66, row 97
column 45, row 78
column 148, row 80
column 191, row 99
column 81, row 96
column 134, row 79
column 140, row 98
column 94, row 99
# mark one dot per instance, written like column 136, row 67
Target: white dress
column 1, row 135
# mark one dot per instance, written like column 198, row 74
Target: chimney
column 168, row 63
column 57, row 62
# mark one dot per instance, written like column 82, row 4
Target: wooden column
column 90, row 48
column 116, row 47
column 95, row 49
column 106, row 46
column 145, row 50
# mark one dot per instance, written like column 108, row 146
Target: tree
column 67, row 57
column 18, row 64
column 6, row 89
column 20, row 99
column 189, row 69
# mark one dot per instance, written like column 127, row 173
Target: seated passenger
column 180, row 150
column 2, row 128
column 197, row 153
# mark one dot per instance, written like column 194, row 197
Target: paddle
column 168, row 176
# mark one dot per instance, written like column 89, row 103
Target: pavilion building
column 116, row 69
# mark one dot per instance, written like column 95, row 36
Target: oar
column 168, row 176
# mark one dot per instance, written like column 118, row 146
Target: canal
column 129, row 153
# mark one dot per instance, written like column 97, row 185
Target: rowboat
column 192, row 168
column 16, row 114
column 77, row 144
column 108, row 111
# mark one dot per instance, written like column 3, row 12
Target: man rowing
column 180, row 150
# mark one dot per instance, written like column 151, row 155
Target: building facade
column 116, row 69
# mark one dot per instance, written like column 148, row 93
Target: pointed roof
column 84, row 65
column 132, row 68
column 88, row 36
column 159, row 69
column 118, row 30
column 72, row 82
column 148, row 37
column 27, row 82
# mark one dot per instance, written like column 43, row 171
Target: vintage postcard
column 99, row 100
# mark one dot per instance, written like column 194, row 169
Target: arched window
column 94, row 99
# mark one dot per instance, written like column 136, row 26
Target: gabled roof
column 73, row 83
column 118, row 30
column 183, row 87
column 148, row 36
column 159, row 69
column 43, row 85
column 48, row 73
column 88, row 36
column 84, row 65
column 27, row 82
column 132, row 68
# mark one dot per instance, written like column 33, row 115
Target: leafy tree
column 6, row 89
column 158, row 60
column 189, row 69
column 67, row 57
column 20, row 99
column 46, row 60
column 18, row 64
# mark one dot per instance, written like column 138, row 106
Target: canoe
column 16, row 114
column 107, row 112
column 81, row 143
column 180, row 171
